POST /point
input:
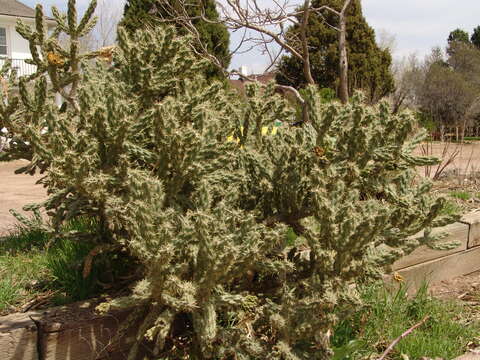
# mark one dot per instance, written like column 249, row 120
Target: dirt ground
column 467, row 160
column 15, row 192
column 465, row 288
column 463, row 175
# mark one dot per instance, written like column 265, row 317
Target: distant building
column 264, row 79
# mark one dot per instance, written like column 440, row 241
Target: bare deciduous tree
column 450, row 91
column 248, row 14
column 262, row 27
column 386, row 40
column 409, row 76
column 342, row 45
column 104, row 34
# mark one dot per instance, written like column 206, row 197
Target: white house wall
column 17, row 46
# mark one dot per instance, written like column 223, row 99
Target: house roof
column 261, row 78
column 264, row 79
column 16, row 8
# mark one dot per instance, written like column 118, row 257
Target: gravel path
column 15, row 192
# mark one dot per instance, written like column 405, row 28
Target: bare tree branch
column 104, row 33
column 342, row 40
column 303, row 35
column 405, row 334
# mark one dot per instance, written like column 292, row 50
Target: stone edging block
column 456, row 232
column 18, row 337
column 72, row 332
column 473, row 221
column 444, row 268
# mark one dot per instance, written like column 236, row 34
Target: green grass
column 28, row 268
column 386, row 315
column 18, row 273
column 21, row 263
column 462, row 195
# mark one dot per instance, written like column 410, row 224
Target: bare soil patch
column 465, row 288
column 16, row 191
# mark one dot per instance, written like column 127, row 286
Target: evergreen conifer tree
column 369, row 66
column 459, row 35
column 139, row 14
column 475, row 39
column 190, row 180
column 457, row 39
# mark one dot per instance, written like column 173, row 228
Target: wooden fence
column 455, row 133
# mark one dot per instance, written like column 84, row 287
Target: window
column 3, row 41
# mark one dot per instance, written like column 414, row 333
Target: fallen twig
column 406, row 333
column 38, row 301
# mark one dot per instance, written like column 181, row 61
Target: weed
column 462, row 195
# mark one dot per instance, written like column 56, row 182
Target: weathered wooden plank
column 473, row 220
column 441, row 269
column 18, row 337
column 457, row 232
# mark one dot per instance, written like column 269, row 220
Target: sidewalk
column 16, row 191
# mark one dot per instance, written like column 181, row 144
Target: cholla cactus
column 142, row 146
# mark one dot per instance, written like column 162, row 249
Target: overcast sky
column 418, row 25
column 421, row 24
